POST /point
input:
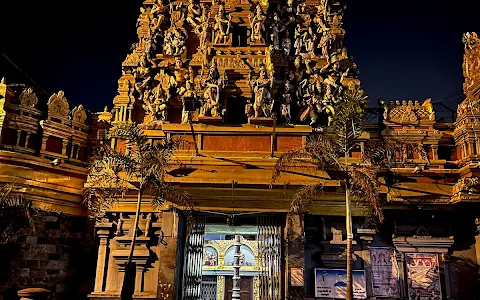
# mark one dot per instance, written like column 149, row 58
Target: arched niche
column 247, row 258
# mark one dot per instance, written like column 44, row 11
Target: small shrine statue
column 326, row 43
column 287, row 44
column 222, row 26
column 213, row 84
column 287, row 100
column 313, row 106
column 261, row 87
column 188, row 96
column 276, row 28
column 193, row 13
column 202, row 29
column 156, row 107
column 298, row 40
column 174, row 43
column 257, row 22
column 320, row 18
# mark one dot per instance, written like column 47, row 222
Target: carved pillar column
column 139, row 278
column 19, row 135
column 366, row 238
column 471, row 146
column 44, row 142
column 64, row 147
column 402, row 274
column 446, row 270
column 295, row 262
column 168, row 256
column 236, row 269
column 434, row 152
column 103, row 231
column 26, row 139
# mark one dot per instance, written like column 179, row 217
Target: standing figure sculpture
column 263, row 105
column 213, row 85
column 258, row 26
column 222, row 26
column 287, row 44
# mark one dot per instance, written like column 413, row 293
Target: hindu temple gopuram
column 243, row 82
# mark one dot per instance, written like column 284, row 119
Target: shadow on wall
column 467, row 277
column 59, row 255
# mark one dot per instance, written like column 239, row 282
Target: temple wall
column 59, row 254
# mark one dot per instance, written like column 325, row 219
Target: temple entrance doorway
column 246, row 288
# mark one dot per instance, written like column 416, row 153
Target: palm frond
column 304, row 196
column 144, row 165
column 364, row 185
column 15, row 212
column 319, row 153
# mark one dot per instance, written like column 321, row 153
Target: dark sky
column 405, row 49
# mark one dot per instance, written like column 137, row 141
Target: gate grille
column 209, row 288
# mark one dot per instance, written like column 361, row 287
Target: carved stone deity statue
column 222, row 26
column 261, row 87
column 320, row 18
column 287, row 44
column 286, row 109
column 186, row 94
column 276, row 29
column 174, row 43
column 213, row 85
column 326, row 43
column 257, row 22
column 202, row 29
column 193, row 13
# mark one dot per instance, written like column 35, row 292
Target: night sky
column 404, row 50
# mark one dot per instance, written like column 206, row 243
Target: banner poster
column 332, row 283
column 384, row 272
column 423, row 276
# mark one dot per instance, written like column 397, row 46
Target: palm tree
column 142, row 166
column 330, row 151
column 15, row 212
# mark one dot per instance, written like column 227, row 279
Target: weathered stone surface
column 45, row 258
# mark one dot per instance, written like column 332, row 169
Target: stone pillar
column 103, row 233
column 295, row 262
column 64, row 147
column 236, row 269
column 168, row 256
column 402, row 275
column 26, row 139
column 19, row 135
column 434, row 152
column 366, row 238
column 44, row 142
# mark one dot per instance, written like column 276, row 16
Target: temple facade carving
column 243, row 82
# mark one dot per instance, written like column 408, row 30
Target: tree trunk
column 349, row 291
column 128, row 286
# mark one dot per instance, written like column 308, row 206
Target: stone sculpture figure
column 320, row 18
column 298, row 40
column 185, row 93
column 174, row 41
column 287, row 100
column 257, row 23
column 276, row 29
column 326, row 42
column 263, row 104
column 222, row 25
column 193, row 13
column 213, row 85
column 202, row 29
column 287, row 44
